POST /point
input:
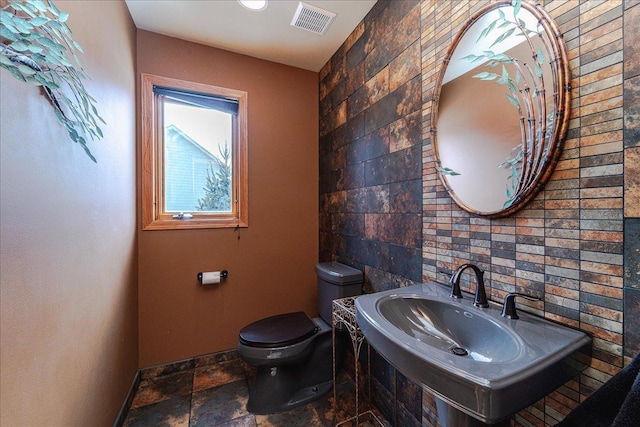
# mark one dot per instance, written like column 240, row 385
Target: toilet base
column 285, row 387
column 309, row 394
column 271, row 401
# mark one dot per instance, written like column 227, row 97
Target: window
column 194, row 155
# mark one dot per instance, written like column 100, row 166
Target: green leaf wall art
column 37, row 47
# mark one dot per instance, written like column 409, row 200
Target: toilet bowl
column 292, row 352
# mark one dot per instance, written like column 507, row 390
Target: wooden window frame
column 152, row 164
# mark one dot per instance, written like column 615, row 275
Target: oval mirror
column 501, row 108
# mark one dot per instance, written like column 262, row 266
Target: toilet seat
column 278, row 331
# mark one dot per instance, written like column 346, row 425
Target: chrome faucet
column 480, row 299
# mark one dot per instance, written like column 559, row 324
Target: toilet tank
column 336, row 281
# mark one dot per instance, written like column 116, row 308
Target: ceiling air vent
column 312, row 18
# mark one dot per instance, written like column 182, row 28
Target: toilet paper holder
column 200, row 276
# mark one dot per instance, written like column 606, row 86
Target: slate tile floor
column 194, row 393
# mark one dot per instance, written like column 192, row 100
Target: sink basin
column 449, row 327
column 476, row 361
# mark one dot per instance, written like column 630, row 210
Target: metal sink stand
column 344, row 311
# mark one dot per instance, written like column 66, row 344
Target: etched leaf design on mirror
column 447, row 171
column 526, row 89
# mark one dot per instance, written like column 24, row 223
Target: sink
column 474, row 360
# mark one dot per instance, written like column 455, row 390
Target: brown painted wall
column 68, row 240
column 270, row 263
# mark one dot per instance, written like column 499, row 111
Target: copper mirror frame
column 542, row 110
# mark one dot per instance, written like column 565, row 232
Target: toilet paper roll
column 210, row 277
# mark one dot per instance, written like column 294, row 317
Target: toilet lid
column 278, row 331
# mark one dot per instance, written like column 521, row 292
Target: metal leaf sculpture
column 36, row 47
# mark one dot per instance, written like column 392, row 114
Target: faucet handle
column 509, row 306
column 446, row 273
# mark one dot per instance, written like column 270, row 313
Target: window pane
column 197, row 158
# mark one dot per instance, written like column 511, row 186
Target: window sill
column 193, row 223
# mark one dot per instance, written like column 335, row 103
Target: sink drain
column 459, row 351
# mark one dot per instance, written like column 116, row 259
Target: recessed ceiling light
column 255, row 5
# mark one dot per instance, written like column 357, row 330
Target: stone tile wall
column 631, row 118
column 371, row 170
column 371, row 148
column 576, row 245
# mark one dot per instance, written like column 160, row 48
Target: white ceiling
column 267, row 34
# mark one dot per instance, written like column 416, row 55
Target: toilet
column 293, row 352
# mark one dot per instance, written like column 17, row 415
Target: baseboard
column 124, row 409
